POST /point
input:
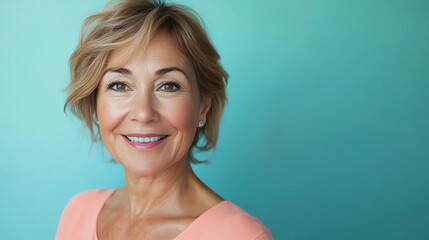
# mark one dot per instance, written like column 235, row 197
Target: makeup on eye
column 168, row 80
column 118, row 86
column 165, row 86
column 170, row 86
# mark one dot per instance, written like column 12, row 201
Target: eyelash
column 113, row 83
column 172, row 82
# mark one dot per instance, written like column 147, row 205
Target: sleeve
column 68, row 217
column 265, row 236
column 76, row 217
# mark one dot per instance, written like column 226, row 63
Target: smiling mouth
column 145, row 139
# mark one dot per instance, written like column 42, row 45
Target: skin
column 162, row 195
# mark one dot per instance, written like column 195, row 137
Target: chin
column 145, row 168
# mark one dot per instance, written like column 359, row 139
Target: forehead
column 162, row 49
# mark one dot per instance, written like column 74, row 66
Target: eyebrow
column 159, row 72
column 124, row 71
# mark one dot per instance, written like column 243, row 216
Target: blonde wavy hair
column 135, row 23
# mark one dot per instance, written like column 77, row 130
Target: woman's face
column 149, row 109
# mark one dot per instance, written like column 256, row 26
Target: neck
column 161, row 194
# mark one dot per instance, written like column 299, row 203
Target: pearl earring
column 200, row 124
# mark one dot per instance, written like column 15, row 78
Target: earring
column 200, row 124
column 97, row 122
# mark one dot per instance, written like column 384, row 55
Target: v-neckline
column 178, row 237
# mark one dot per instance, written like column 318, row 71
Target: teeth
column 145, row 139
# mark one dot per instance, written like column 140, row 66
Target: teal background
column 326, row 134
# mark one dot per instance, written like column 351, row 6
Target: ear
column 204, row 108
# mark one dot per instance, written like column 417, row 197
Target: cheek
column 182, row 115
column 110, row 113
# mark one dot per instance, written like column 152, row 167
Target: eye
column 118, row 86
column 170, row 86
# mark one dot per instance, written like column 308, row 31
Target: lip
column 144, row 146
column 144, row 135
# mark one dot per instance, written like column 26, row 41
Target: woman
column 146, row 75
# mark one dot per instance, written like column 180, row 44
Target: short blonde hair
column 135, row 22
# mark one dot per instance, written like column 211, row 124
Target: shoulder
column 90, row 197
column 228, row 221
column 241, row 224
column 82, row 211
column 87, row 201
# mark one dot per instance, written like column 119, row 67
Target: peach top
column 223, row 221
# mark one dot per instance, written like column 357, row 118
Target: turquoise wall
column 326, row 134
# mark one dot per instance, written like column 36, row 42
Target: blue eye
column 118, row 86
column 170, row 86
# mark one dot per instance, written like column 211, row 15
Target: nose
column 144, row 109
